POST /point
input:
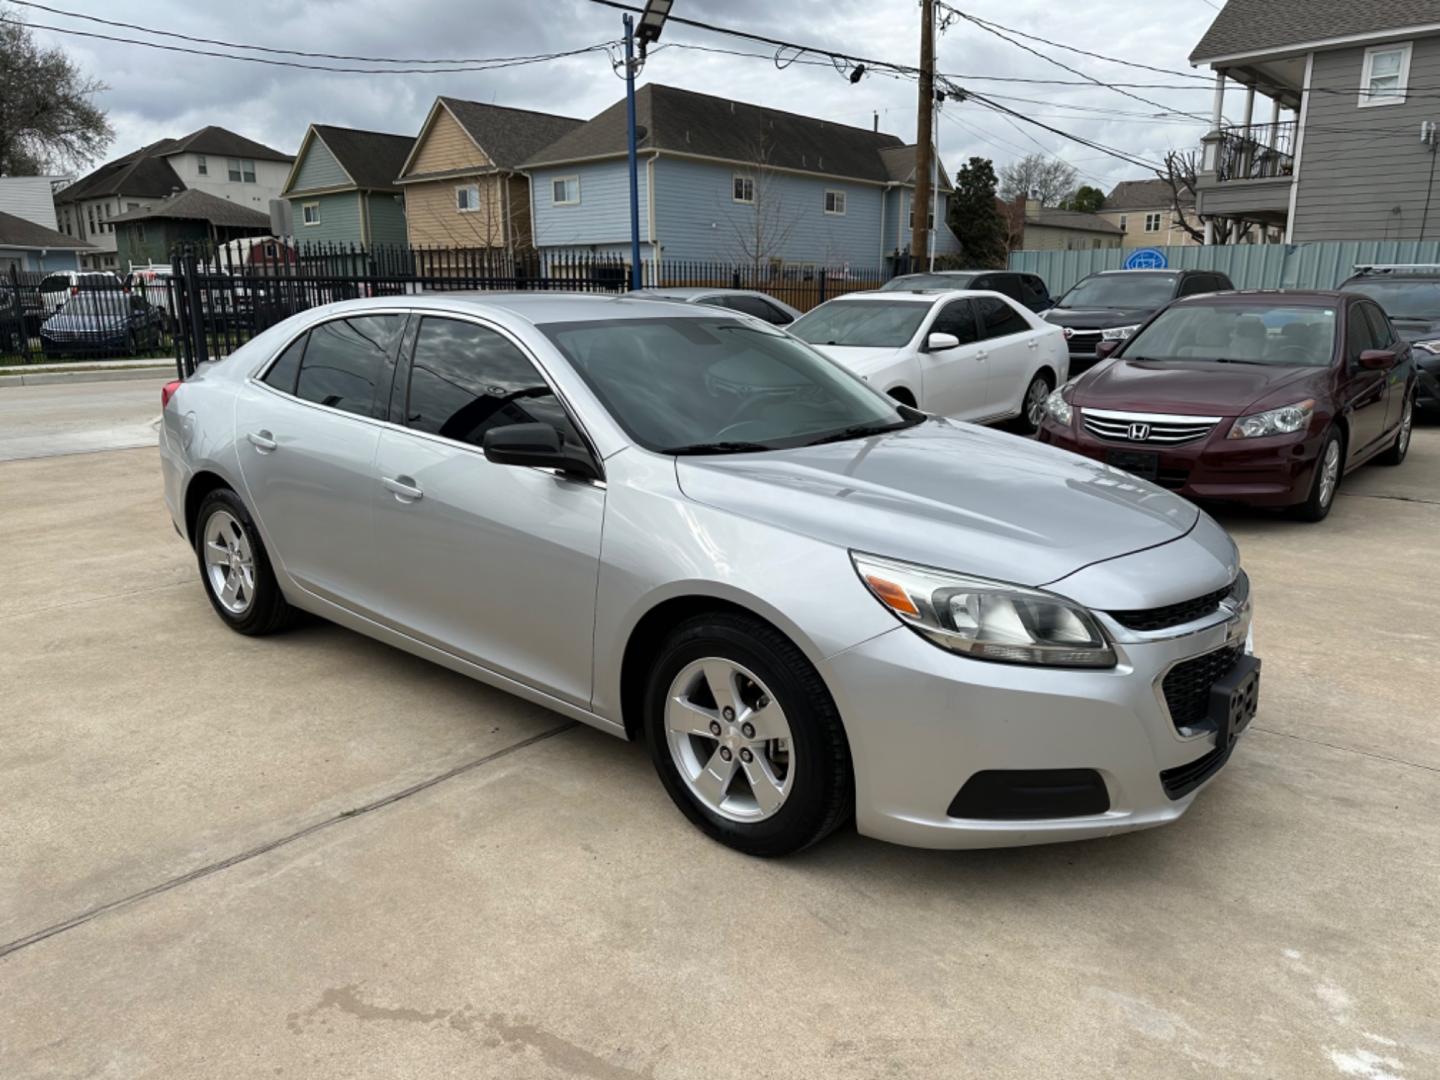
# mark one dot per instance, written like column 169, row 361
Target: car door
column 953, row 381
column 1012, row 344
column 1365, row 393
column 306, row 433
column 495, row 563
column 1397, row 398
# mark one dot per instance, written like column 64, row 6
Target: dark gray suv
column 1027, row 289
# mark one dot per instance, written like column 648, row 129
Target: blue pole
column 634, row 173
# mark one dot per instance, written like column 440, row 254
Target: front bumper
column 1427, row 386
column 922, row 722
column 1272, row 471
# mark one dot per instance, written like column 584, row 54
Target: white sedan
column 972, row 355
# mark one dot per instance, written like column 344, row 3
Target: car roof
column 1317, row 297
column 948, row 273
column 685, row 291
column 1154, row 272
column 540, row 307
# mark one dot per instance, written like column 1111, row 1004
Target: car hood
column 1097, row 318
column 1417, row 328
column 949, row 495
column 860, row 360
column 1187, row 387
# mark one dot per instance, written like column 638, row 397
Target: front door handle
column 982, row 355
column 262, row 441
column 404, row 487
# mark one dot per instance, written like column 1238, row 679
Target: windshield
column 1120, row 291
column 1401, row 299
column 929, row 281
column 1280, row 336
column 719, row 385
column 864, row 324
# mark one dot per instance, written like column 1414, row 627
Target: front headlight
column 1431, row 347
column 1118, row 333
column 989, row 620
column 1281, row 421
column 1058, row 408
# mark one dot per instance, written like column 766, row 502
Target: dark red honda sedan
column 1265, row 398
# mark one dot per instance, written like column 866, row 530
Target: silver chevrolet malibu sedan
column 683, row 526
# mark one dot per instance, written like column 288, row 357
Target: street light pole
column 635, row 280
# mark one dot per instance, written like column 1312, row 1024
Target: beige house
column 1148, row 214
column 461, row 184
column 1033, row 227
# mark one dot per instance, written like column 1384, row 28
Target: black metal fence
column 1257, row 152
column 207, row 302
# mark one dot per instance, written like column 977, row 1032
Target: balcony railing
column 1259, row 152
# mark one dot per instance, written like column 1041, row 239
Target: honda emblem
column 1139, row 432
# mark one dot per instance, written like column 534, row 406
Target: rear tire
column 1325, row 484
column 795, row 749
column 1032, row 405
column 235, row 568
column 1396, row 454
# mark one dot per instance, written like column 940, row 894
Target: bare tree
column 760, row 236
column 47, row 118
column 1180, row 173
column 1050, row 178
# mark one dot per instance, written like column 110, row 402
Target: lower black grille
column 1031, row 794
column 1162, row 618
column 1187, row 686
column 1183, row 779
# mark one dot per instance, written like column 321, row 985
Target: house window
column 743, row 189
column 1385, row 75
column 467, row 198
column 929, row 218
column 1152, row 222
column 834, row 202
column 310, row 213
column 90, row 213
column 1123, row 222
column 137, row 232
column 241, row 170
column 202, row 166
column 565, row 191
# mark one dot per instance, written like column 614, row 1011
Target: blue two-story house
column 723, row 181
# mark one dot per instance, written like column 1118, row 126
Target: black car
column 109, row 323
column 21, row 314
column 1027, row 289
column 1112, row 305
column 1410, row 295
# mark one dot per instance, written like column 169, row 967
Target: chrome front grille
column 1162, row 429
column 1082, row 341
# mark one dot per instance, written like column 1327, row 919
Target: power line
column 492, row 65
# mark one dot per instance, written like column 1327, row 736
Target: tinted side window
column 958, row 318
column 751, row 305
column 1222, row 283
column 346, row 360
column 999, row 319
column 1033, row 292
column 1359, row 335
column 1379, row 326
column 282, row 373
column 465, row 380
column 1195, row 284
column 1008, row 284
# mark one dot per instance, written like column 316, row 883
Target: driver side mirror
column 1104, row 348
column 941, row 342
column 1378, row 359
column 539, row 446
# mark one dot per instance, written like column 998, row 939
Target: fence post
column 197, row 315
column 822, row 285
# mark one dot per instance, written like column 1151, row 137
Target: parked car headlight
column 988, row 620
column 1431, row 347
column 1118, row 333
column 1281, row 421
column 1058, row 408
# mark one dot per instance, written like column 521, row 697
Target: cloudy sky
column 153, row 94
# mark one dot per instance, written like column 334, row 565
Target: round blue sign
column 1147, row 259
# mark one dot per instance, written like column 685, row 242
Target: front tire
column 1329, row 467
column 745, row 736
column 1032, row 405
column 236, row 569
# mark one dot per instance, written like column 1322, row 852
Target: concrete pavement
column 312, row 855
column 80, row 417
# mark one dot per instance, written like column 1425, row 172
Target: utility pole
column 920, row 202
column 635, row 279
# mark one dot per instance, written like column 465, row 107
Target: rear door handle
column 982, row 355
column 263, row 441
column 1033, row 343
column 404, row 487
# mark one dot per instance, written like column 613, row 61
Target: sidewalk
column 85, row 371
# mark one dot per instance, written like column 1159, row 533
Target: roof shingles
column 195, row 205
column 372, row 158
column 16, row 232
column 1252, row 26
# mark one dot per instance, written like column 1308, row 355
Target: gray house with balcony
column 1337, row 136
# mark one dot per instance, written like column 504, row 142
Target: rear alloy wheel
column 236, row 571
column 1326, row 482
column 745, row 736
column 1032, row 407
column 1396, row 454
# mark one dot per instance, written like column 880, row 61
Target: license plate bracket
column 1234, row 699
column 1142, row 463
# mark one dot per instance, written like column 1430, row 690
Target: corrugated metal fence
column 1249, row 266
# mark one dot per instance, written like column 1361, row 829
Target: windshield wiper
column 724, row 447
column 1236, row 360
column 860, row 431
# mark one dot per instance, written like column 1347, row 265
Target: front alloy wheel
column 1032, row 409
column 1328, row 468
